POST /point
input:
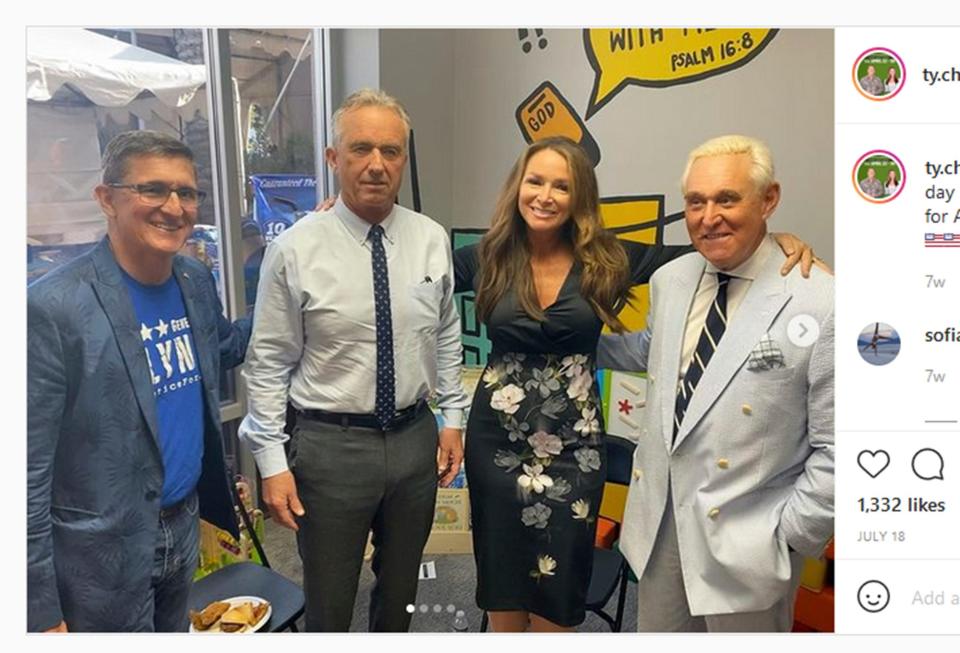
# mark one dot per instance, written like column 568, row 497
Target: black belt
column 400, row 419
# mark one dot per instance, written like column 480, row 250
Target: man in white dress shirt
column 356, row 327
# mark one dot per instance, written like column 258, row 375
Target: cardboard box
column 449, row 542
column 451, row 523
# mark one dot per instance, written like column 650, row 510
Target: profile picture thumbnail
column 879, row 176
column 878, row 343
column 878, row 73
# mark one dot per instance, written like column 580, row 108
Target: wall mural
column 646, row 57
column 665, row 57
column 649, row 57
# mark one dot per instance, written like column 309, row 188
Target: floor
column 438, row 598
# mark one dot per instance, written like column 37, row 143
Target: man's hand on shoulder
column 59, row 628
column 280, row 495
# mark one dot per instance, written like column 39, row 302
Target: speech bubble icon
column 928, row 464
column 545, row 113
column 664, row 57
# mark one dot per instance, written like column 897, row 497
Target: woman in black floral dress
column 534, row 451
column 548, row 276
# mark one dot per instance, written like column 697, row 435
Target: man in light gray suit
column 733, row 472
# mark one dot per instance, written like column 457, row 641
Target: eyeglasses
column 157, row 194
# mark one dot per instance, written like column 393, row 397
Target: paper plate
column 235, row 601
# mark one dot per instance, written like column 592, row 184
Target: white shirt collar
column 360, row 228
column 750, row 268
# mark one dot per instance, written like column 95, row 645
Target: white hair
column 761, row 162
column 369, row 97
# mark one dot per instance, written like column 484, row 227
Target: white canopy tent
column 75, row 79
column 108, row 72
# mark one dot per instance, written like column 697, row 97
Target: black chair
column 610, row 569
column 250, row 579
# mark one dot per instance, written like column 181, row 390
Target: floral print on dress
column 549, row 410
column 581, row 509
column 507, row 399
column 545, row 444
column 587, row 459
column 547, row 381
column 545, row 567
column 536, row 515
column 580, row 386
column 533, row 479
column 588, row 422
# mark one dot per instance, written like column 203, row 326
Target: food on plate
column 209, row 615
column 259, row 610
column 229, row 617
column 238, row 618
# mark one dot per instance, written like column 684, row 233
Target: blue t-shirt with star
column 177, row 384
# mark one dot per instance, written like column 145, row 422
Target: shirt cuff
column 452, row 418
column 271, row 461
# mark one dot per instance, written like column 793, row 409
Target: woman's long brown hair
column 504, row 252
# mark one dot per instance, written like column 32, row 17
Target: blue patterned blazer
column 94, row 468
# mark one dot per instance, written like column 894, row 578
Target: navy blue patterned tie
column 386, row 396
column 710, row 336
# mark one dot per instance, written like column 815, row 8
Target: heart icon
column 873, row 462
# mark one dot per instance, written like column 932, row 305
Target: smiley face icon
column 873, row 596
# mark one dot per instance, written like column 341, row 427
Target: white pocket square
column 765, row 356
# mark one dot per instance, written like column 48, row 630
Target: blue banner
column 281, row 200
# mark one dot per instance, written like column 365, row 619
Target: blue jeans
column 164, row 609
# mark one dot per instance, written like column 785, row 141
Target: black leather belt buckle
column 400, row 419
column 403, row 417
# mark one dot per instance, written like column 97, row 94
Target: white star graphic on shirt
column 162, row 328
column 145, row 332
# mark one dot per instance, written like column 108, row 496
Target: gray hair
column 133, row 144
column 369, row 97
column 761, row 168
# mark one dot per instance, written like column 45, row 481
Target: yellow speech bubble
column 664, row 57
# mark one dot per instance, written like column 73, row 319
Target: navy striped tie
column 386, row 397
column 710, row 336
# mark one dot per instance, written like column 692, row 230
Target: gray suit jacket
column 94, row 469
column 751, row 471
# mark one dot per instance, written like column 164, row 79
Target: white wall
column 355, row 61
column 417, row 67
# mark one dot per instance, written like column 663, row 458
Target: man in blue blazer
column 733, row 472
column 125, row 346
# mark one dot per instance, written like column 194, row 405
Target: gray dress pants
column 351, row 480
column 662, row 599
